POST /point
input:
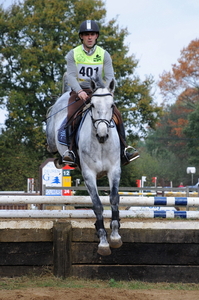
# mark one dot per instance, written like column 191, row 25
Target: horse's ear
column 93, row 85
column 112, row 85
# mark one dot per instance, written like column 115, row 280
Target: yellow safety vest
column 89, row 65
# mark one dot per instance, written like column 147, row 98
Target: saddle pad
column 80, row 126
column 61, row 136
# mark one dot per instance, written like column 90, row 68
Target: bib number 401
column 88, row 71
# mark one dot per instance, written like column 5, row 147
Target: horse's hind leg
column 103, row 247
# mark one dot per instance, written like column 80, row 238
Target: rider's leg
column 74, row 104
column 69, row 155
column 128, row 153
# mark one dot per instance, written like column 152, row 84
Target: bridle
column 107, row 122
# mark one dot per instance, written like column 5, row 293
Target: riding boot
column 126, row 156
column 69, row 155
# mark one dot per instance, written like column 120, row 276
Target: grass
column 75, row 283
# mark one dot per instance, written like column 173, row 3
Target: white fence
column 125, row 201
column 86, row 200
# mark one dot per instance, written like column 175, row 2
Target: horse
column 98, row 149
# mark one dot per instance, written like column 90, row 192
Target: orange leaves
column 178, row 126
column 183, row 81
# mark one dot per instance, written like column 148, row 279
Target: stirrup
column 131, row 156
column 69, row 157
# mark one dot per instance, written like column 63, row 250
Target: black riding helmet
column 88, row 26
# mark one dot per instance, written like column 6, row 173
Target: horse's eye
column 92, row 105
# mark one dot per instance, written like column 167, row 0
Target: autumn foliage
column 181, row 84
column 180, row 91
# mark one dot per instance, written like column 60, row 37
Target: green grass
column 51, row 281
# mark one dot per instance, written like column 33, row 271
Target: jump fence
column 144, row 207
column 64, row 241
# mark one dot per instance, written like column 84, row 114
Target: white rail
column 87, row 214
column 144, row 207
column 86, row 200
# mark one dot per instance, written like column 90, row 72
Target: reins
column 60, row 110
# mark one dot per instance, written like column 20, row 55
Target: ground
column 96, row 293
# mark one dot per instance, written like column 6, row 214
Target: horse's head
column 102, row 105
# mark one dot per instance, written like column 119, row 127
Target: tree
column 16, row 163
column 192, row 133
column 182, row 86
column 34, row 41
column 182, row 83
column 166, row 166
column 169, row 134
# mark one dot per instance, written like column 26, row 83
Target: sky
column 158, row 31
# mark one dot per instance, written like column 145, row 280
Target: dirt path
column 98, row 293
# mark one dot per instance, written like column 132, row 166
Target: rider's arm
column 72, row 73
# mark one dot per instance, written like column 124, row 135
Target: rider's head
column 89, row 27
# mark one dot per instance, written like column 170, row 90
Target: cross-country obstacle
column 61, row 242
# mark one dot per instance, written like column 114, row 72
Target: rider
column 85, row 61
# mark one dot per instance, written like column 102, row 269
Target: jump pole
column 79, row 200
column 87, row 214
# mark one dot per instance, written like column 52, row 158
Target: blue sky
column 159, row 30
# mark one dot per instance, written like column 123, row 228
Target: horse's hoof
column 57, row 164
column 115, row 242
column 104, row 251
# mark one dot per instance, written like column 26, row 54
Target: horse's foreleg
column 103, row 247
column 115, row 238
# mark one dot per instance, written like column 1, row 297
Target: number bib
column 89, row 65
column 87, row 71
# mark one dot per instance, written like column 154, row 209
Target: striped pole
column 124, row 200
column 87, row 214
